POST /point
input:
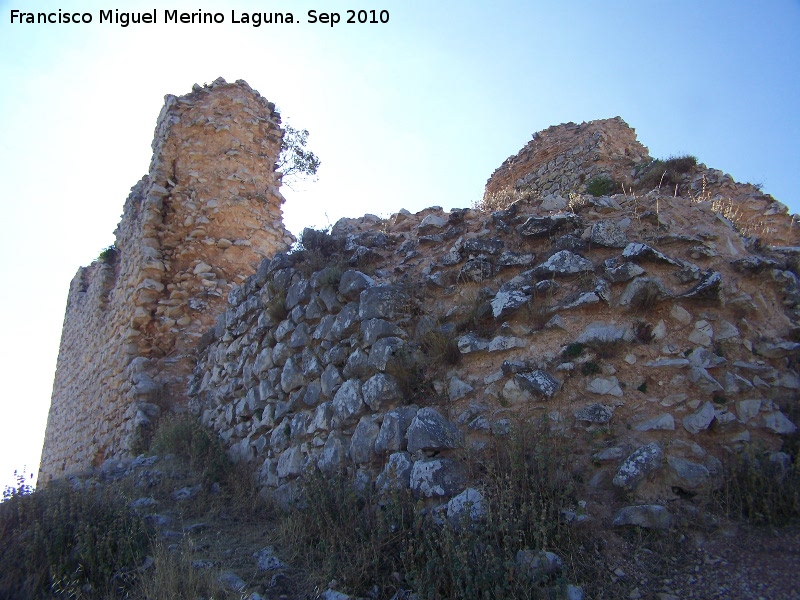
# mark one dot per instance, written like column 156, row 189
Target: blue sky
column 412, row 113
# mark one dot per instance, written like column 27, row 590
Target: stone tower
column 208, row 210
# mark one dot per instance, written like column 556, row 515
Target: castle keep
column 202, row 218
column 655, row 323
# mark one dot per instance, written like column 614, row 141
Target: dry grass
column 173, row 577
column 376, row 544
column 760, row 490
column 500, row 200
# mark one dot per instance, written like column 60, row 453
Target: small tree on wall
column 295, row 161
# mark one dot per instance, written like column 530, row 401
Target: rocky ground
column 231, row 544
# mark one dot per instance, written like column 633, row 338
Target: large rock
column 383, row 302
column 536, row 227
column 330, row 381
column 396, row 474
column 458, row 389
column 707, row 288
column 331, row 458
column 514, row 259
column 638, row 466
column 663, row 422
column 700, row 420
column 564, row 263
column 298, row 293
column 643, row 293
column 348, row 402
column 688, row 476
column 291, row 376
column 538, row 566
column 605, row 386
column 345, row 323
column 618, row 271
column 638, row 251
column 290, row 462
column 507, row 301
column 477, row 269
column 431, row 431
column 608, row 234
column 375, row 329
column 490, row 246
column 594, row 413
column 599, row 332
column 778, row 423
column 381, row 391
column 437, row 477
column 353, row 283
column 392, row 436
column 538, row 382
column 362, row 444
column 468, row 505
column 385, row 351
column 471, row 343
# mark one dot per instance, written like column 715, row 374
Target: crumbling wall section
column 563, row 158
column 208, row 210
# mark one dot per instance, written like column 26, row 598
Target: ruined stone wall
column 648, row 331
column 208, row 210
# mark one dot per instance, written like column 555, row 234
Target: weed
column 607, row 348
column 109, row 255
column 761, row 487
column 643, row 332
column 338, row 533
column 331, row 276
column 590, row 368
column 276, row 306
column 573, row 350
column 601, row 186
column 439, row 346
column 473, row 312
column 666, row 173
column 197, row 446
column 358, row 538
column 407, row 369
column 61, row 540
column 538, row 313
column 500, row 200
column 642, row 388
column 173, row 576
column 645, row 297
column 318, row 249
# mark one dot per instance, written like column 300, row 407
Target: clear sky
column 408, row 114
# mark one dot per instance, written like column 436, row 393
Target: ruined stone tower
column 207, row 212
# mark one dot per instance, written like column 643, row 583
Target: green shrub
column 601, row 186
column 317, row 249
column 666, row 173
column 63, row 541
column 590, row 368
column 573, row 350
column 197, row 446
column 109, row 254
